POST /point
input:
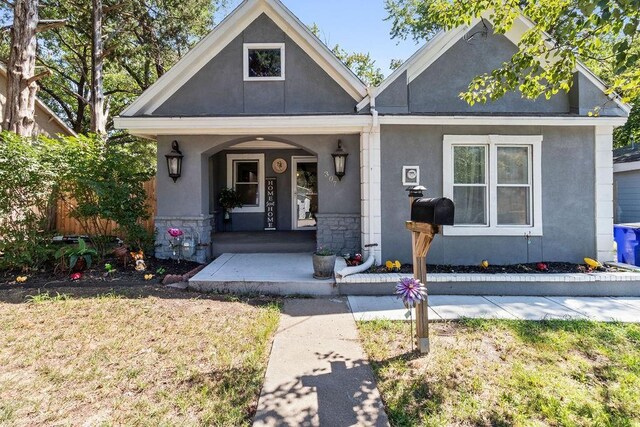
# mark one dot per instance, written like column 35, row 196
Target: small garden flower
column 75, row 277
column 411, row 291
column 21, row 279
column 175, row 232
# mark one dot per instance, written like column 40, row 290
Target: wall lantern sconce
column 174, row 161
column 340, row 160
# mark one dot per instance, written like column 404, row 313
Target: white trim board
column 294, row 189
column 503, row 120
column 255, row 46
column 151, row 127
column 259, row 157
column 626, row 167
column 223, row 34
column 252, row 125
column 444, row 40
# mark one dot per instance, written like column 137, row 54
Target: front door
column 304, row 192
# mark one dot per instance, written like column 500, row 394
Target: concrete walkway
column 318, row 374
column 450, row 307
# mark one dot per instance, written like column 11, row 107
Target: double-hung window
column 245, row 174
column 495, row 183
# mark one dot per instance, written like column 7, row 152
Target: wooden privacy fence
column 68, row 226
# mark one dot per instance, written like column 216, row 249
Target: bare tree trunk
column 21, row 85
column 98, row 113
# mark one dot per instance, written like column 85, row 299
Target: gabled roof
column 444, row 40
column 627, row 154
column 230, row 28
column 39, row 104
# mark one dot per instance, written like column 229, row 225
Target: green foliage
column 143, row 39
column 104, row 181
column 324, row 252
column 46, row 297
column 75, row 253
column 395, row 64
column 563, row 33
column 360, row 63
column 229, row 199
column 28, row 183
column 630, row 132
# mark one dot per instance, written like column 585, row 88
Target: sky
column 356, row 25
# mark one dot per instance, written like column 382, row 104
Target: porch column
column 604, row 193
column 371, row 189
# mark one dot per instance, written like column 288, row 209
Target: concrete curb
column 591, row 284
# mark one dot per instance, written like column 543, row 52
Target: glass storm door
column 305, row 192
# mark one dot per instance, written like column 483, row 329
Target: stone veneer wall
column 339, row 232
column 202, row 227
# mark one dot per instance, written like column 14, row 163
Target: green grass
column 109, row 360
column 509, row 373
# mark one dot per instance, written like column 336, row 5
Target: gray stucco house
column 261, row 97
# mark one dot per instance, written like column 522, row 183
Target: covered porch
column 292, row 200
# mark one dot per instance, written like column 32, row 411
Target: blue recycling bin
column 627, row 238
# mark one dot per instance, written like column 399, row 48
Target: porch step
column 263, row 273
column 263, row 242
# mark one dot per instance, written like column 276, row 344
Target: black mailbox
column 433, row 211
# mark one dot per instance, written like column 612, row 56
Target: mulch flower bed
column 97, row 275
column 533, row 268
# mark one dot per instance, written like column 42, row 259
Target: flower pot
column 323, row 266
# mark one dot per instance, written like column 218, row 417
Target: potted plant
column 229, row 199
column 80, row 257
column 324, row 261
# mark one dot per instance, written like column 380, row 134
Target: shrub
column 104, row 182
column 29, row 180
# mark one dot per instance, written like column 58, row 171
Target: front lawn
column 111, row 360
column 488, row 372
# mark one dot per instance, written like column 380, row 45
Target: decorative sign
column 279, row 165
column 410, row 176
column 270, row 207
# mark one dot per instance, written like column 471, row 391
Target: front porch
column 291, row 201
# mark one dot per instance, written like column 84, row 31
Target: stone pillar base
column 201, row 227
column 339, row 233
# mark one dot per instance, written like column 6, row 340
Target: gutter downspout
column 371, row 259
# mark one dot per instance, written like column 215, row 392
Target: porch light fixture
column 340, row 160
column 174, row 161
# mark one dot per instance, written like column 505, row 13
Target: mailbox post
column 427, row 215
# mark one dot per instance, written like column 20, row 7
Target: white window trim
column 492, row 141
column 245, row 61
column 261, row 185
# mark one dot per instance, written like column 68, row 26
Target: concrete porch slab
column 273, row 274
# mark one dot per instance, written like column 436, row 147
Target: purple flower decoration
column 411, row 291
column 175, row 232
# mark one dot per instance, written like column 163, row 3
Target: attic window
column 263, row 61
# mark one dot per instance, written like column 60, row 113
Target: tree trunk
column 98, row 114
column 19, row 115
